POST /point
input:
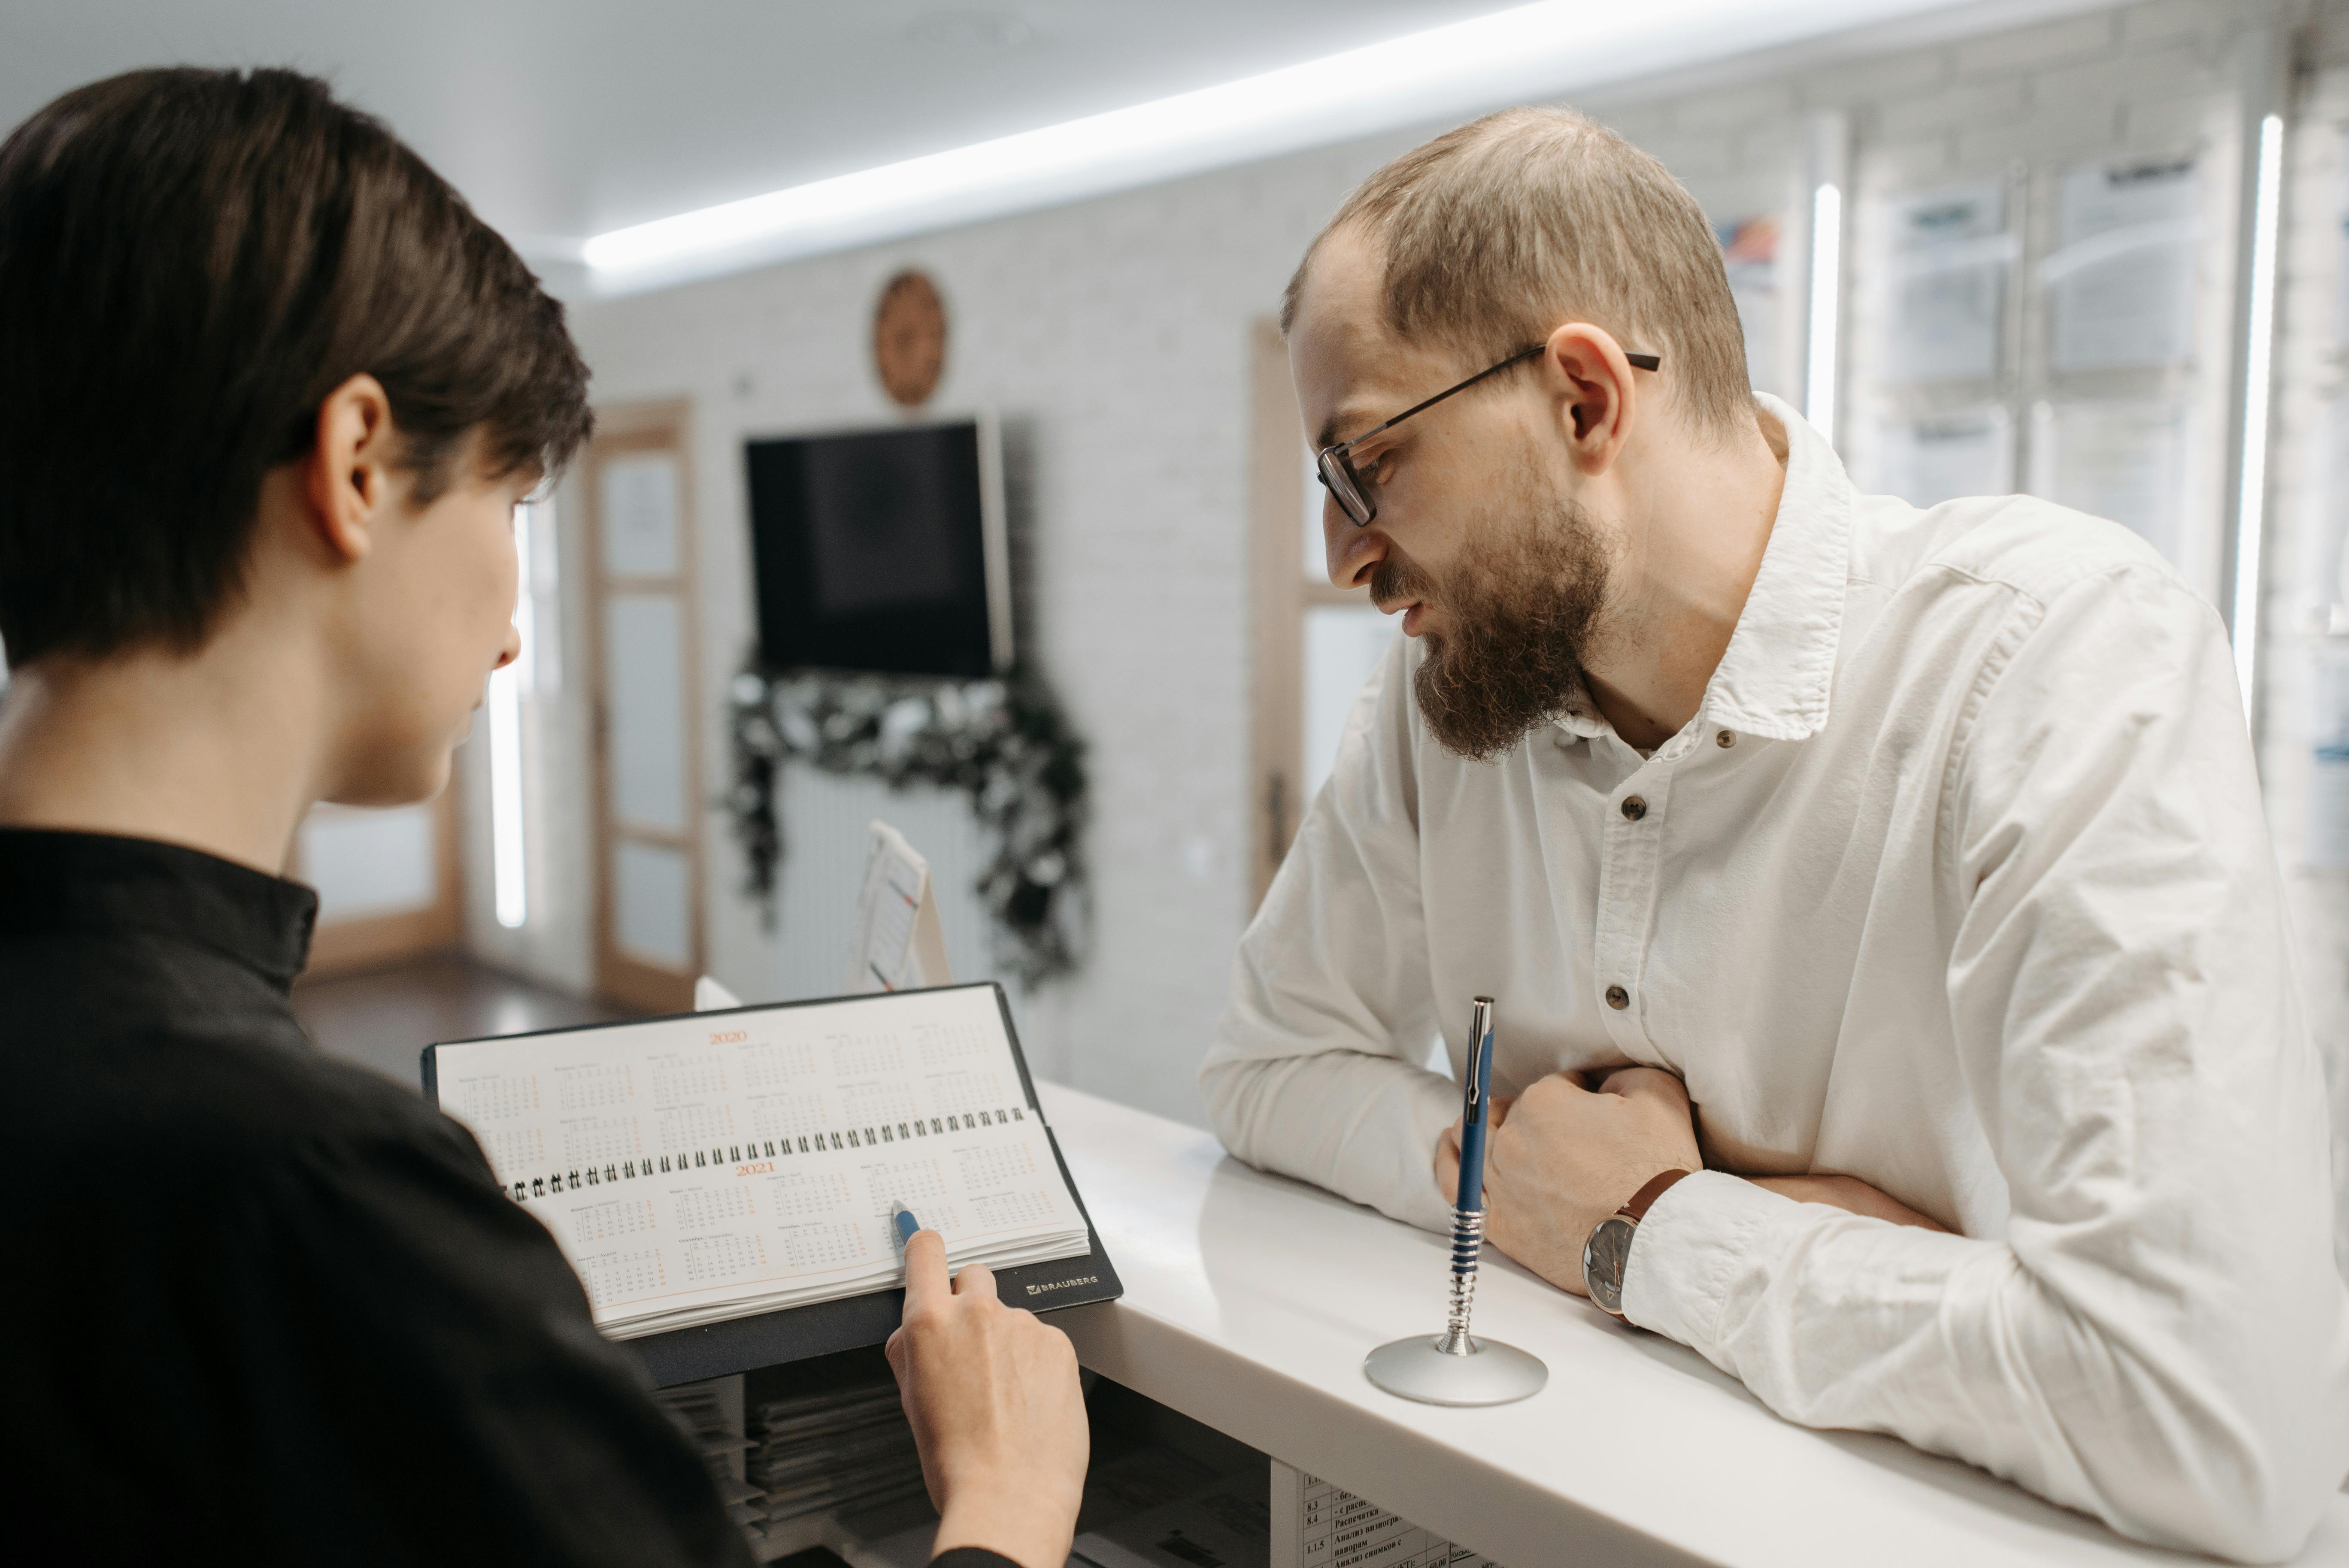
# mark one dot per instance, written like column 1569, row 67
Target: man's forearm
column 1358, row 1124
column 2148, row 1406
column 1848, row 1193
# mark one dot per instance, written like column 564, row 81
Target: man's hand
column 997, row 1411
column 1561, row 1158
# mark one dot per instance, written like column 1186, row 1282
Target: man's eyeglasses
column 1335, row 465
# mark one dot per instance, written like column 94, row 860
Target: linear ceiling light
column 1826, row 302
column 2250, row 505
column 1532, row 52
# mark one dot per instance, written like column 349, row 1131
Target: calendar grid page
column 700, row 1168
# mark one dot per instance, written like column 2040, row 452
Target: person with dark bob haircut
column 269, row 395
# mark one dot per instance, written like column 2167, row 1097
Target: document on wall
column 1927, row 462
column 2341, row 243
column 1949, row 253
column 2126, row 459
column 1317, row 1525
column 2122, row 275
column 899, row 942
column 2324, row 834
column 698, row 1169
column 2319, row 588
column 1749, row 255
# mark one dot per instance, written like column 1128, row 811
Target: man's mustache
column 1395, row 578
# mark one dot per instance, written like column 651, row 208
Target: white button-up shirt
column 1959, row 883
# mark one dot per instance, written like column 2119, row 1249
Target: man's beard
column 1521, row 603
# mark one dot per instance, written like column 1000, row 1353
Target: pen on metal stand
column 1468, row 1207
column 1450, row 1368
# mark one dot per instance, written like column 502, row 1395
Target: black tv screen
column 881, row 549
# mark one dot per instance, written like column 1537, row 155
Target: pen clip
column 1480, row 1057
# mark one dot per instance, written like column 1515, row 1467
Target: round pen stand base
column 1492, row 1372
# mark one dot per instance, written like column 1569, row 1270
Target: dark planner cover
column 818, row 1329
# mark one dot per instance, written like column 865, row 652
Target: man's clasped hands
column 1575, row 1146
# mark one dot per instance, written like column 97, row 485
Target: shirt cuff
column 1435, row 1105
column 1691, row 1246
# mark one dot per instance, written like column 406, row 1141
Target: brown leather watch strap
column 1645, row 1197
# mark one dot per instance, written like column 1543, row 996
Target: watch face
column 1603, row 1257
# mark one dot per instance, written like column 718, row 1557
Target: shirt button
column 1634, row 808
column 1725, row 740
column 1618, row 998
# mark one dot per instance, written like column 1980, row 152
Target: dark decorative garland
column 1005, row 743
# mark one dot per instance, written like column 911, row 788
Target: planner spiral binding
column 612, row 1173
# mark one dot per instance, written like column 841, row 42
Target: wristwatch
column 1610, row 1246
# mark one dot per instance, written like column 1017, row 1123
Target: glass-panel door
column 387, row 883
column 648, row 918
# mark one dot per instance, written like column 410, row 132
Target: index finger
column 926, row 1286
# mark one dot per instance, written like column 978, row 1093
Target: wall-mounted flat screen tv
column 882, row 550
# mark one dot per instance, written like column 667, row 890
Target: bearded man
column 1899, row 876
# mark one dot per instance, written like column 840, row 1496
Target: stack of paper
column 698, row 1169
column 1225, row 1522
column 839, row 1452
column 710, row 1415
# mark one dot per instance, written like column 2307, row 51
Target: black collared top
column 260, row 1307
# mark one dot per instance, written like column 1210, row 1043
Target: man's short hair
column 1498, row 234
column 189, row 262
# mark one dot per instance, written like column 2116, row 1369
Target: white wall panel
column 824, row 819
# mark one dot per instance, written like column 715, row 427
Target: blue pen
column 1468, row 1210
column 1452, row 1368
column 903, row 1219
column 1479, row 1081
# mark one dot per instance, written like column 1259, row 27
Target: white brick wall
column 1113, row 333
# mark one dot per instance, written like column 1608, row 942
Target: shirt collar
column 1773, row 679
column 99, row 883
column 1580, row 717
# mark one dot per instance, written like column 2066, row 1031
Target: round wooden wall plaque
column 909, row 338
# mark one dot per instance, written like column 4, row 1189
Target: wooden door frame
column 643, row 428
column 1280, row 594
column 372, row 942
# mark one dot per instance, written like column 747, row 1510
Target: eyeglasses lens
column 1338, row 475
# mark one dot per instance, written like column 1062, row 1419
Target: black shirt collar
column 97, row 883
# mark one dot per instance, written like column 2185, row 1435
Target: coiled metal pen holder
column 1454, row 1367
column 1467, row 1251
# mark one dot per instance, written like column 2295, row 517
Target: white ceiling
column 564, row 119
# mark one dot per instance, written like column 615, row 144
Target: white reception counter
column 1249, row 1303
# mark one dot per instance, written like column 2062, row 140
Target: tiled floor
column 384, row 1018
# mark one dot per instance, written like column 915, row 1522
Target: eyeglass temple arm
column 1638, row 362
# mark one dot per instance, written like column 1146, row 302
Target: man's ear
column 349, row 473
column 1597, row 393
